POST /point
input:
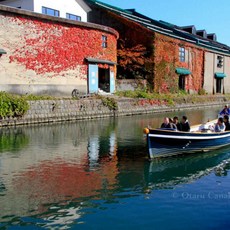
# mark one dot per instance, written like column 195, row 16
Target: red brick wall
column 153, row 55
column 134, row 44
column 166, row 60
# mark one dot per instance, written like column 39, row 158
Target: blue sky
column 211, row 15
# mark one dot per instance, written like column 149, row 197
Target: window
column 50, row 12
column 181, row 54
column 104, row 41
column 219, row 61
column 73, row 17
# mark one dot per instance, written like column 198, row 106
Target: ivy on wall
column 145, row 54
column 49, row 47
column 135, row 47
column 166, row 60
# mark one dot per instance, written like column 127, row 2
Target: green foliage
column 31, row 97
column 171, row 99
column 127, row 93
column 10, row 141
column 182, row 92
column 202, row 92
column 109, row 102
column 12, row 105
column 139, row 93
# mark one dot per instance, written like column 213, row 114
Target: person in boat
column 177, row 123
column 225, row 111
column 226, row 122
column 166, row 124
column 172, row 124
column 185, row 126
column 220, row 126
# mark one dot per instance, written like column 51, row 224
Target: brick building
column 169, row 57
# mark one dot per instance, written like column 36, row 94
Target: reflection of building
column 42, row 54
column 70, row 215
column 101, row 147
column 54, row 166
column 93, row 150
column 51, row 178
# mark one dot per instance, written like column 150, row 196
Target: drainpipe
column 213, row 90
column 223, row 72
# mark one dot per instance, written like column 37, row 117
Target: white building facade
column 70, row 9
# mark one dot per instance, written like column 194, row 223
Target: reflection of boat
column 168, row 142
column 169, row 172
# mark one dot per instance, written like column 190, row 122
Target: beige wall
column 210, row 68
column 208, row 72
column 227, row 72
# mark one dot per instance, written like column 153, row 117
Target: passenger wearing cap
column 225, row 111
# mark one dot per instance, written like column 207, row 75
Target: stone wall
column 130, row 84
column 47, row 111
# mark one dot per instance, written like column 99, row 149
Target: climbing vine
column 167, row 60
column 55, row 47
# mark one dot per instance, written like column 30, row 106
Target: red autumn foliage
column 167, row 60
column 54, row 48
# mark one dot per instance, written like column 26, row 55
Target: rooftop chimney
column 202, row 33
column 212, row 37
column 189, row 29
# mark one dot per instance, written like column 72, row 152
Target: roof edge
column 83, row 5
column 26, row 13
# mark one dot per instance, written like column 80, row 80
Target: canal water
column 96, row 175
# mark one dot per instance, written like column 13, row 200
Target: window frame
column 181, row 54
column 104, row 39
column 77, row 17
column 56, row 13
column 220, row 61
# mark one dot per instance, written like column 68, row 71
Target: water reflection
column 168, row 172
column 12, row 139
column 65, row 171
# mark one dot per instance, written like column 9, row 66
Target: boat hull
column 167, row 143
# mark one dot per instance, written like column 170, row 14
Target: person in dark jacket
column 166, row 124
column 172, row 124
column 185, row 126
column 226, row 122
column 225, row 111
column 220, row 126
column 177, row 123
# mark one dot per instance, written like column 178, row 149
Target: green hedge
column 12, row 105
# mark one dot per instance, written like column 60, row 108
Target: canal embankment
column 59, row 110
